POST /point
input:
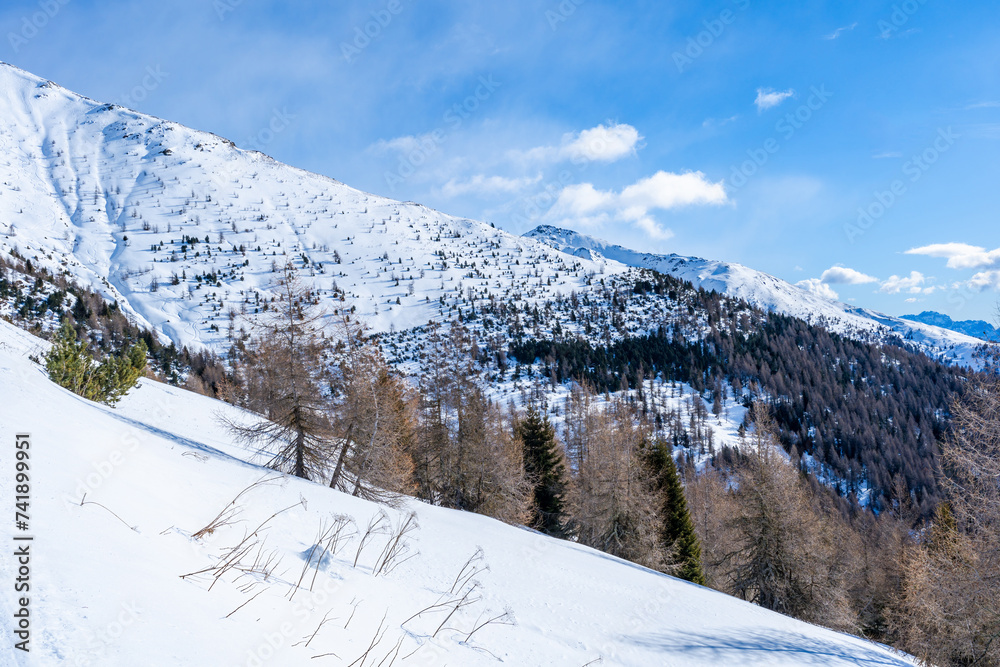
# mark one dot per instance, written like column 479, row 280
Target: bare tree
column 281, row 378
column 613, row 503
column 950, row 608
column 466, row 455
column 783, row 556
column 375, row 417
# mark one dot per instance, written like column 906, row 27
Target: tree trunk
column 340, row 459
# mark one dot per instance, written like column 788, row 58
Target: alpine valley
column 141, row 227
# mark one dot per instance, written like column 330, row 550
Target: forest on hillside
column 871, row 414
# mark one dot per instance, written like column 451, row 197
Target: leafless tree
column 612, row 503
column 375, row 417
column 950, row 608
column 783, row 556
column 281, row 377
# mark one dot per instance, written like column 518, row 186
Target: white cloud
column 768, row 98
column 911, row 284
column 985, row 280
column 718, row 122
column 887, row 155
column 960, row 255
column 404, row 144
column 666, row 190
column 653, row 229
column 835, row 275
column 602, row 144
column 583, row 199
column 836, row 33
column 844, row 276
column 598, row 144
column 819, row 288
column 989, row 104
column 487, row 185
column 584, row 204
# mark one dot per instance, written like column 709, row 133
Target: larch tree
column 950, row 610
column 612, row 501
column 374, row 417
column 466, row 456
column 282, row 378
column 783, row 555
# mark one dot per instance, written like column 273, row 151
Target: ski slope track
column 107, row 590
column 185, row 230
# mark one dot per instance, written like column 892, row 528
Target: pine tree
column 677, row 534
column 543, row 463
column 71, row 365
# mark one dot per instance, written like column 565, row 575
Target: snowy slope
column 770, row 293
column 184, row 229
column 106, row 575
column 114, row 198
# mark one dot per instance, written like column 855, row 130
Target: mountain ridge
column 755, row 287
column 184, row 230
column 975, row 328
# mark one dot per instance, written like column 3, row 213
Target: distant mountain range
column 975, row 328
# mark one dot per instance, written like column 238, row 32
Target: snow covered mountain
column 185, row 231
column 770, row 293
column 181, row 226
column 975, row 328
column 120, row 576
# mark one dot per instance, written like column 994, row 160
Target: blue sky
column 851, row 147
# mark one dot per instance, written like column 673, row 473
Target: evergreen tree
column 677, row 535
column 543, row 463
column 71, row 365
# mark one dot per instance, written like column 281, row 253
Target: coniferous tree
column 783, row 554
column 543, row 463
column 465, row 455
column 677, row 534
column 71, row 365
column 282, row 378
column 612, row 502
column 374, row 417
